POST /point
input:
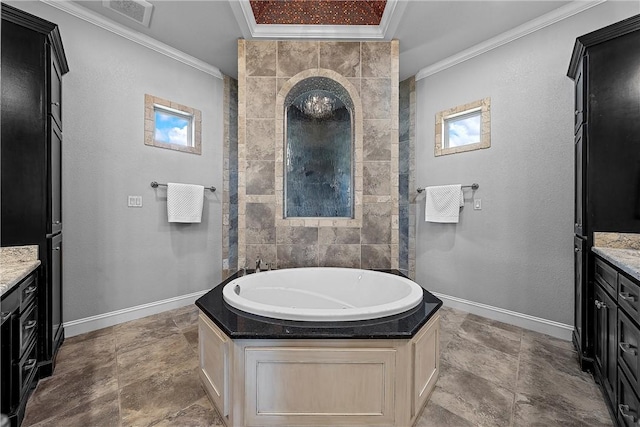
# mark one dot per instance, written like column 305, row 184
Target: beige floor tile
column 200, row 414
column 153, row 399
column 169, row 354
column 101, row 412
column 62, row 392
column 473, row 398
column 490, row 336
column 493, row 365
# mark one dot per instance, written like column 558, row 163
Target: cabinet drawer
column 628, row 338
column 606, row 276
column 628, row 403
column 28, row 325
column 28, row 292
column 629, row 296
column 26, row 369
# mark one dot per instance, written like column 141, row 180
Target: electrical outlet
column 134, row 201
column 477, row 204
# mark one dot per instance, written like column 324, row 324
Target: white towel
column 184, row 202
column 443, row 203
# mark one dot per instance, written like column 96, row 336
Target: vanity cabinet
column 19, row 359
column 33, row 63
column 603, row 67
column 617, row 333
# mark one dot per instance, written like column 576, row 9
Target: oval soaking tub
column 322, row 294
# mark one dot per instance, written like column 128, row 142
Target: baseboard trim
column 537, row 324
column 88, row 324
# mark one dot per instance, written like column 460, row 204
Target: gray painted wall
column 117, row 257
column 517, row 252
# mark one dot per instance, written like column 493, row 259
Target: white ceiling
column 428, row 31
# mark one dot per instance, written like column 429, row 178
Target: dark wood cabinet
column 19, row 359
column 604, row 68
column 617, row 335
column 605, row 344
column 33, row 63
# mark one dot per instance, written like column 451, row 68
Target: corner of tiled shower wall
column 406, row 178
column 264, row 67
column 230, row 178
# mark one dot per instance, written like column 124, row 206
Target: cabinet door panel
column 606, row 341
column 580, row 181
column 579, row 95
column 56, row 287
column 55, row 203
column 579, row 264
column 55, row 91
column 628, row 339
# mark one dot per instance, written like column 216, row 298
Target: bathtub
column 323, row 366
column 321, row 294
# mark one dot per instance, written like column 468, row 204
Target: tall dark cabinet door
column 55, row 190
column 22, row 136
column 605, row 346
column 580, row 90
column 55, row 272
column 579, row 264
column 580, row 166
column 614, row 126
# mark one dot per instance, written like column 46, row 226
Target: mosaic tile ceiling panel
column 318, row 12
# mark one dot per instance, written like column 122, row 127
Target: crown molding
column 563, row 12
column 252, row 30
column 134, row 36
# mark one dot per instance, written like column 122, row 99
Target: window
column 173, row 126
column 463, row 128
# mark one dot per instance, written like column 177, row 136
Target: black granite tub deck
column 238, row 324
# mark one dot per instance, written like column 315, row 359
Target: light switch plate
column 134, row 201
column 477, row 204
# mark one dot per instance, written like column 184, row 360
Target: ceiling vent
column 137, row 10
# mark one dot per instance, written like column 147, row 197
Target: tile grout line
column 115, row 333
column 515, row 392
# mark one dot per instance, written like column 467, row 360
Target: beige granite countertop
column 621, row 250
column 16, row 263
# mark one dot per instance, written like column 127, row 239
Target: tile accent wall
column 406, row 178
column 230, row 178
column 266, row 71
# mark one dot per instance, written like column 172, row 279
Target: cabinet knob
column 57, row 248
column 600, row 304
column 576, row 249
column 30, row 290
column 4, row 315
column 627, row 413
column 57, row 222
column 57, row 104
column 576, row 112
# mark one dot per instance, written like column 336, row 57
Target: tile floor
column 143, row 373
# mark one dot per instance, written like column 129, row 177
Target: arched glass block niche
column 319, row 150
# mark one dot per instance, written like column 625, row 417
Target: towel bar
column 473, row 186
column 155, row 184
